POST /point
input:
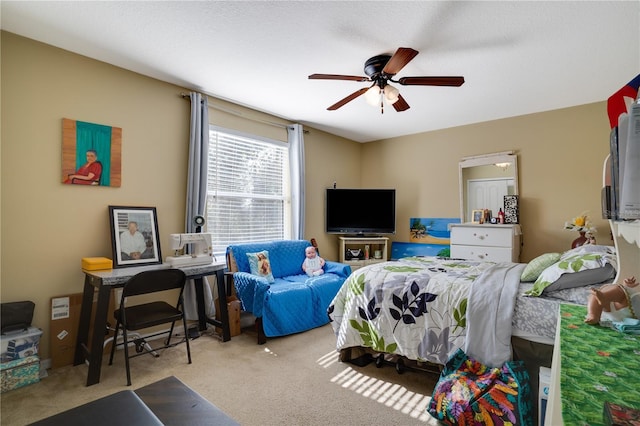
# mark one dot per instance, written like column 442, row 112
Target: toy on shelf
column 615, row 301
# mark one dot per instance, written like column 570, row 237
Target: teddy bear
column 615, row 301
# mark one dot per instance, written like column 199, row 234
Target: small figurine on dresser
column 313, row 263
column 614, row 302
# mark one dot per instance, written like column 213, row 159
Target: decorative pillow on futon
column 585, row 265
column 260, row 265
column 534, row 268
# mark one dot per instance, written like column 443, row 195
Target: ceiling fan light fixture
column 391, row 94
column 372, row 96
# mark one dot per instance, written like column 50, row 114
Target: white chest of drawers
column 493, row 243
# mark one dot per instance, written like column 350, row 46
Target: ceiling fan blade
column 431, row 81
column 347, row 99
column 338, row 77
column 401, row 104
column 399, row 59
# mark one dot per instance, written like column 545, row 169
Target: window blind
column 248, row 193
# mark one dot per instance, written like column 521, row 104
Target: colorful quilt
column 414, row 307
column 471, row 393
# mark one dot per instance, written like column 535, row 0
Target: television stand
column 353, row 244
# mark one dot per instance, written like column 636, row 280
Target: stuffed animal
column 616, row 301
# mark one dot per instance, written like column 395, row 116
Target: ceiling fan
column 380, row 70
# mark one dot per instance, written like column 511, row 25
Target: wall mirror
column 485, row 180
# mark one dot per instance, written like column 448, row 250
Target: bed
column 423, row 309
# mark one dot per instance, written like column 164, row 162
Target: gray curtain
column 296, row 162
column 197, row 192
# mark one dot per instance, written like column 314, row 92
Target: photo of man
column 132, row 243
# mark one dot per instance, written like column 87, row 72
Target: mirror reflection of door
column 501, row 167
column 487, row 194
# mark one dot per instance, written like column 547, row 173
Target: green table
column 598, row 364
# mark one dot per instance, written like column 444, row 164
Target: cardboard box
column 233, row 309
column 96, row 263
column 19, row 372
column 543, row 393
column 65, row 318
column 21, row 344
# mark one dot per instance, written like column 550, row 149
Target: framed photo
column 134, row 236
column 477, row 216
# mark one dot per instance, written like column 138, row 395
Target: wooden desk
column 105, row 281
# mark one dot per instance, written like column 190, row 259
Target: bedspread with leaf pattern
column 415, row 307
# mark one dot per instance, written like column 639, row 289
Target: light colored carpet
column 292, row 380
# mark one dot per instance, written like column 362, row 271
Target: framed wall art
column 91, row 154
column 511, row 211
column 134, row 236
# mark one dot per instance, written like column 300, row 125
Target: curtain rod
column 239, row 114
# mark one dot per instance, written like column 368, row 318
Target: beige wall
column 560, row 159
column 48, row 227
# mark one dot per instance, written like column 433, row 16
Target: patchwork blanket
column 418, row 307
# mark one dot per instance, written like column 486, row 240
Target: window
column 248, row 191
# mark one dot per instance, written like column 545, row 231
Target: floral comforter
column 415, row 307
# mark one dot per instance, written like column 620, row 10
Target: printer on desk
column 201, row 252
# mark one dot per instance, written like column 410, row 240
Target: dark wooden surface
column 121, row 408
column 174, row 403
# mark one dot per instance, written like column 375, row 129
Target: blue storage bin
column 21, row 344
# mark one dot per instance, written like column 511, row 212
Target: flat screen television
column 360, row 211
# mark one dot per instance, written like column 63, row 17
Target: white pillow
column 578, row 267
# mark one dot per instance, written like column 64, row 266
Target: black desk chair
column 150, row 314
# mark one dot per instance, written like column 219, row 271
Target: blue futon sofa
column 293, row 302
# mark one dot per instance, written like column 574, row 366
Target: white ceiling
column 517, row 57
